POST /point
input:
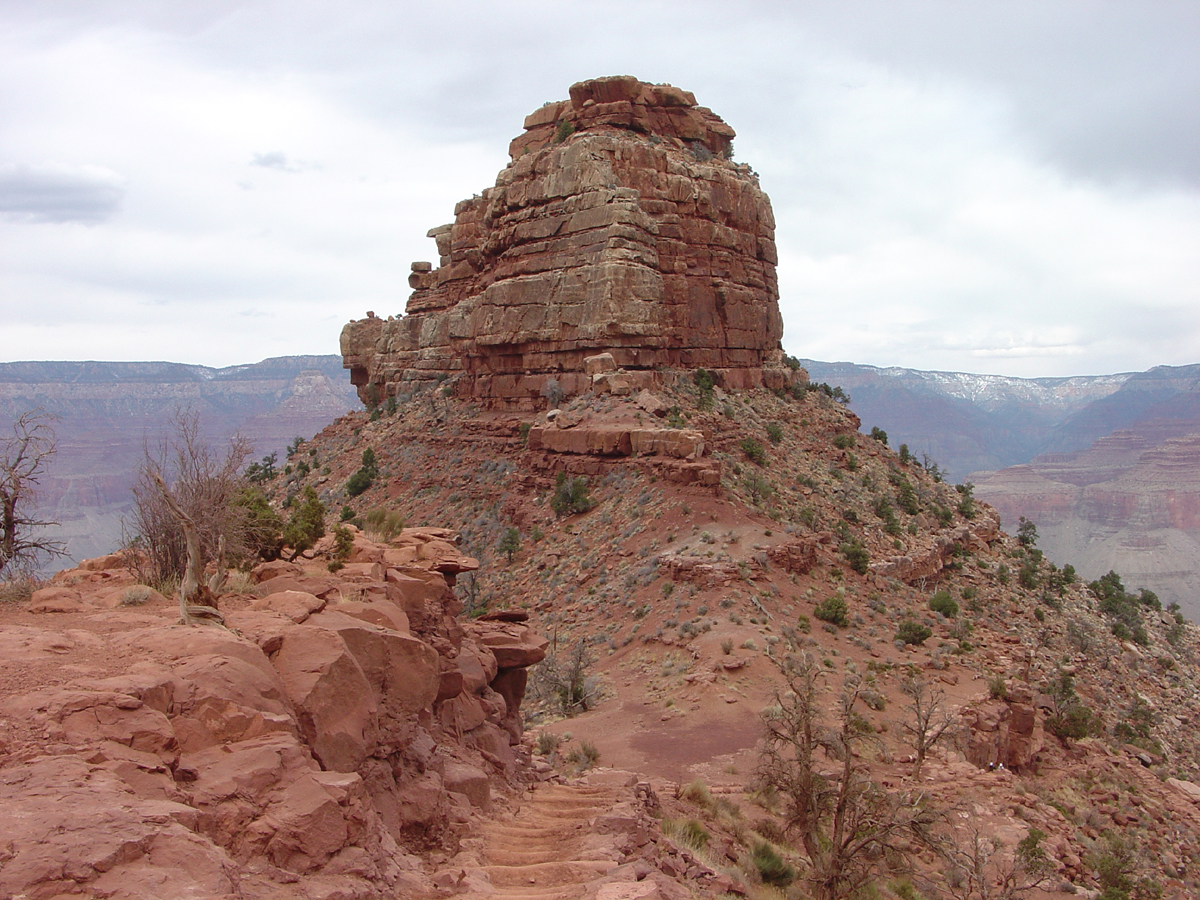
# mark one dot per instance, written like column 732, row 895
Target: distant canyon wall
column 108, row 412
column 1107, row 466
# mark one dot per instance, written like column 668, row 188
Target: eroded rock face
column 305, row 751
column 621, row 226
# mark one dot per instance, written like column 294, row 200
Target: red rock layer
column 620, row 225
column 340, row 724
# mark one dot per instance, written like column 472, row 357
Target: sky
column 1008, row 187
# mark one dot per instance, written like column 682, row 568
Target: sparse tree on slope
column 981, row 868
column 928, row 720
column 187, row 511
column 845, row 821
column 23, row 461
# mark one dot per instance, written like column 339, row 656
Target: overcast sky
column 1001, row 187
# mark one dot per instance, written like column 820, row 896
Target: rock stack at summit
column 620, row 226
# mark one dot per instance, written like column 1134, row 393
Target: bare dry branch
column 23, row 460
column 845, row 821
column 929, row 719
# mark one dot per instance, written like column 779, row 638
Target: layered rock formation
column 1126, row 504
column 341, row 725
column 620, row 225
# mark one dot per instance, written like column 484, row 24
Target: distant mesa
column 620, row 226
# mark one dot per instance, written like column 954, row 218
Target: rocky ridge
column 620, row 226
column 683, row 589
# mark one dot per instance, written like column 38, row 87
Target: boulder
column 56, row 599
column 276, row 568
column 335, row 704
column 514, row 646
column 296, row 605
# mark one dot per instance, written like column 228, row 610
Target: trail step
column 535, row 854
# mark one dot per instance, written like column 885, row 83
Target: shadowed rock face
column 620, row 225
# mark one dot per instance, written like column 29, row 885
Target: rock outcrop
column 340, row 726
column 621, row 225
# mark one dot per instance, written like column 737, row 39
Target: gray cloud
column 1007, row 187
column 56, row 193
column 276, row 159
column 281, row 162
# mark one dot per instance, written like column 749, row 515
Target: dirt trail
column 538, row 854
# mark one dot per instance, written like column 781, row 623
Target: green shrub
column 906, row 497
column 843, row 441
column 774, row 433
column 510, row 544
column 571, row 495
column 966, row 506
column 878, row 434
column 943, row 603
column 706, row 381
column 913, row 632
column 1073, row 723
column 754, row 451
column 306, row 525
column 772, row 868
column 262, row 525
column 856, row 556
column 1027, row 533
column 884, row 510
column 263, row 471
column 365, row 476
column 1027, row 575
column 833, row 609
column 343, row 543
column 565, row 129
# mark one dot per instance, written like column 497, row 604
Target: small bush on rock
column 754, row 451
column 772, row 868
column 943, row 603
column 856, row 555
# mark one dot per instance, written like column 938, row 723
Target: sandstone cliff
column 620, row 225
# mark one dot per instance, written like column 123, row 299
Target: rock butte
column 620, row 226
